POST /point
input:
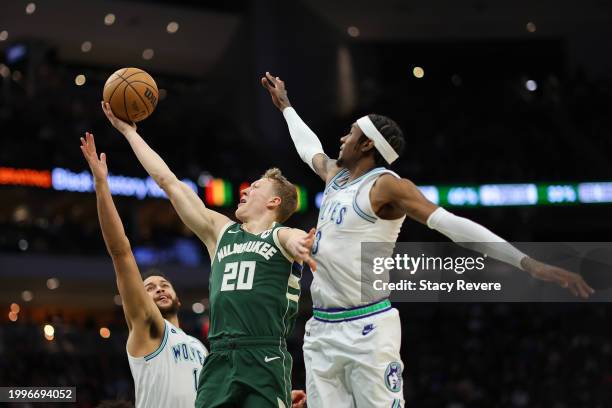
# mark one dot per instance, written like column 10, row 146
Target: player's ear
column 367, row 145
column 274, row 202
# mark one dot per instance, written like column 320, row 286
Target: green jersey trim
column 352, row 313
column 278, row 243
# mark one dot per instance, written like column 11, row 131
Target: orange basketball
column 131, row 93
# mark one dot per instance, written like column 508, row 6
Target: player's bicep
column 325, row 167
column 411, row 200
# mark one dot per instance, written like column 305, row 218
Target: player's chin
column 168, row 308
column 239, row 213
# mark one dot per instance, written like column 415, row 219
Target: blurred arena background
column 505, row 105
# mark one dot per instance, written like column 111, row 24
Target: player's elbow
column 166, row 181
column 120, row 250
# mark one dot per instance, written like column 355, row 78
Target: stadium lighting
column 86, row 46
column 353, row 31
column 80, row 80
column 5, row 72
column 148, row 54
column 117, row 300
column 27, row 296
column 531, row 85
column 456, row 80
column 13, row 316
column 531, row 27
column 198, row 308
column 30, row 8
column 172, row 27
column 109, row 19
column 49, row 330
column 23, row 245
column 53, row 283
column 105, row 332
column 418, row 72
column 3, row 35
column 15, row 308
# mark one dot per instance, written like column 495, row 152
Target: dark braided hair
column 391, row 132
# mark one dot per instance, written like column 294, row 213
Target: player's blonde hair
column 285, row 190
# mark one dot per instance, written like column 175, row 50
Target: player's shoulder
column 389, row 181
column 195, row 341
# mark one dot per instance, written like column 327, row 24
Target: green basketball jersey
column 254, row 285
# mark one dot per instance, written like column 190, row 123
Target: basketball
column 131, row 93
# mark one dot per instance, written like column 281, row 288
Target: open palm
column 97, row 165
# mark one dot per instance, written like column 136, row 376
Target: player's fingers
column 571, row 288
column 103, row 158
column 312, row 232
column 271, row 78
column 311, row 263
column 108, row 111
column 264, row 83
column 585, row 289
column 92, row 141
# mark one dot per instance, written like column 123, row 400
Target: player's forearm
column 113, row 232
column 305, row 140
column 474, row 236
column 150, row 160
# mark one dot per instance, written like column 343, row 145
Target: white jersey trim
column 278, row 244
column 221, row 232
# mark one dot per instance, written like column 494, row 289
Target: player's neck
column 173, row 319
column 258, row 225
column 360, row 168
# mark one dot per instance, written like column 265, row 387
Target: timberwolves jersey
column 346, row 219
column 168, row 377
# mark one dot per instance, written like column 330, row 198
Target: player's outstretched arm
column 306, row 141
column 298, row 244
column 401, row 196
column 139, row 309
column 205, row 223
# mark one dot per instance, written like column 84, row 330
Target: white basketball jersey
column 168, row 377
column 346, row 219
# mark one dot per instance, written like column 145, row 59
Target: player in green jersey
column 254, row 283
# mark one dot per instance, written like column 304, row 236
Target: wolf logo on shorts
column 393, row 377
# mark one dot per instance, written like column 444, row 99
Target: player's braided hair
column 391, row 132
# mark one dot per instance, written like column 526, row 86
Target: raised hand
column 277, row 90
column 97, row 165
column 566, row 279
column 300, row 246
column 117, row 123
